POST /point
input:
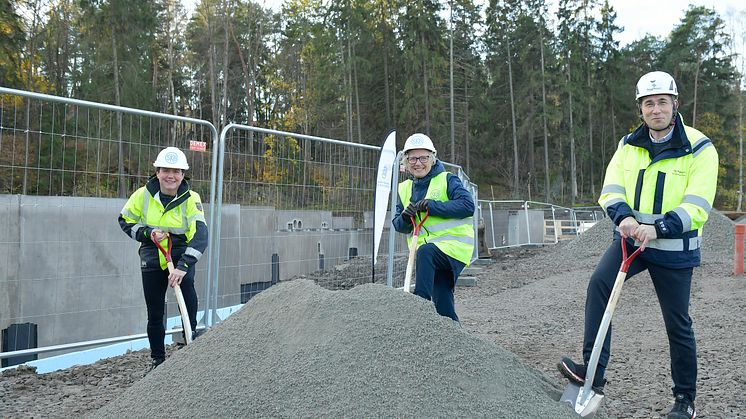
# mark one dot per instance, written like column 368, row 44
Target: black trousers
column 673, row 287
column 435, row 277
column 154, row 286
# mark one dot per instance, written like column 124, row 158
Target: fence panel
column 294, row 206
column 66, row 169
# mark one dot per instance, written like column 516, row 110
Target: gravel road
column 299, row 350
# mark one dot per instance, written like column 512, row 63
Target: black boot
column 576, row 374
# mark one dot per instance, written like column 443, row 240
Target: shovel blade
column 586, row 409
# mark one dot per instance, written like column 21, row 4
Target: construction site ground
column 526, row 310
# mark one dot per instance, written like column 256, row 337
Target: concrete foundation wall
column 66, row 265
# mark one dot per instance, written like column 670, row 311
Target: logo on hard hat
column 171, row 157
column 418, row 140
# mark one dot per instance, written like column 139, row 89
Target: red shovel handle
column 626, row 261
column 417, row 227
column 166, row 253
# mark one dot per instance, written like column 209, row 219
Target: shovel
column 413, row 251
column 585, row 400
column 185, row 324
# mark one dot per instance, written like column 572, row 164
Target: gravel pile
column 298, row 350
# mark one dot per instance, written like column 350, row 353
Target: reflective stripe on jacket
column 453, row 236
column 673, row 191
column 183, row 218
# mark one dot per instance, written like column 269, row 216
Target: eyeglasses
column 423, row 159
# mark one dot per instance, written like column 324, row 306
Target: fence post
column 738, row 250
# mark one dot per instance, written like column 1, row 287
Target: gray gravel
column 372, row 351
column 298, row 350
column 532, row 305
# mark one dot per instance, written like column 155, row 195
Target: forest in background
column 531, row 103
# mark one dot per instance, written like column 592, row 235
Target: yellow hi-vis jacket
column 672, row 191
column 453, row 236
column 182, row 217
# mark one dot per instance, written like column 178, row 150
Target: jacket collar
column 641, row 136
column 154, row 187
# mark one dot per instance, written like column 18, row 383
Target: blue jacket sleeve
column 459, row 205
column 619, row 211
column 401, row 224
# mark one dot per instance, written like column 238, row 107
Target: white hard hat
column 417, row 141
column 656, row 83
column 172, row 158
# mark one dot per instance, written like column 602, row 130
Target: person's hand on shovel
column 175, row 275
column 627, row 227
column 643, row 233
column 414, row 207
column 158, row 235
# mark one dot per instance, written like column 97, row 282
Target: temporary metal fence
column 67, row 267
column 520, row 223
column 281, row 205
column 292, row 205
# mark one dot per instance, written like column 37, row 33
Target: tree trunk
column 211, row 67
column 453, row 118
column 172, row 90
column 547, row 194
column 573, row 167
column 696, row 83
column 425, row 83
column 466, row 121
column 357, row 99
column 740, row 141
column 590, row 136
column 118, row 102
column 226, row 69
column 389, row 121
column 512, row 116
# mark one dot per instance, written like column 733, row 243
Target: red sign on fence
column 198, row 146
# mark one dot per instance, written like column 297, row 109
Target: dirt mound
column 298, row 350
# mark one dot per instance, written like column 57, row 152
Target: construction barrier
column 738, row 250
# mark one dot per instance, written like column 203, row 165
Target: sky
column 659, row 17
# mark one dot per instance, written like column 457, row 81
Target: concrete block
column 466, row 281
column 471, row 270
column 482, row 262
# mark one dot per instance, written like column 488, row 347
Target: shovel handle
column 185, row 323
column 413, row 250
column 616, row 291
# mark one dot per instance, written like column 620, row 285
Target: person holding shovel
column 658, row 191
column 166, row 206
column 446, row 241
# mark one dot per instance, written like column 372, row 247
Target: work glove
column 421, row 205
column 409, row 211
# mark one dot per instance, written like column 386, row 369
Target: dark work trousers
column 673, row 287
column 154, row 285
column 436, row 275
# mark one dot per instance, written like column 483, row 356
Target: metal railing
column 512, row 223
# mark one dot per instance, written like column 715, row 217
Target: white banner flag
column 383, row 189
